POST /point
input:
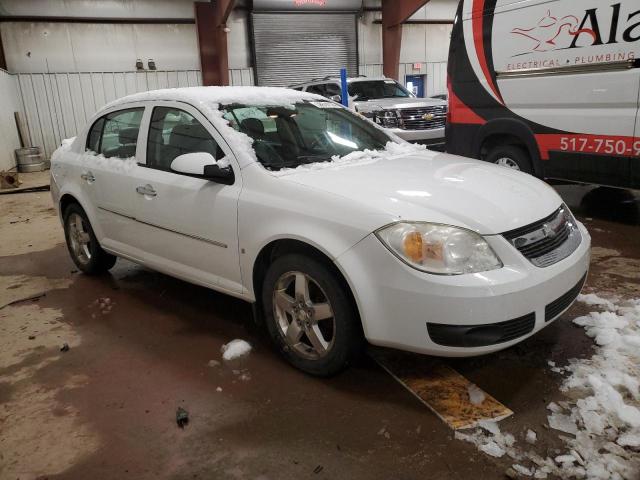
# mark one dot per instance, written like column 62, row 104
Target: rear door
column 187, row 226
column 111, row 157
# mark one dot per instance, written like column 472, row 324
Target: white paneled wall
column 436, row 74
column 9, row 103
column 58, row 105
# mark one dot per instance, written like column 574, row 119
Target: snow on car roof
column 208, row 101
column 221, row 96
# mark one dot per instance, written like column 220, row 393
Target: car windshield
column 307, row 132
column 372, row 89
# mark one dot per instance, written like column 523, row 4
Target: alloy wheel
column 304, row 315
column 507, row 162
column 79, row 238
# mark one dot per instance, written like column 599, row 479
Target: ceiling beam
column 395, row 12
column 224, row 8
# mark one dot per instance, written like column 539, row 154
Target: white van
column 550, row 87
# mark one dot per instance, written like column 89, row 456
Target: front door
column 188, row 226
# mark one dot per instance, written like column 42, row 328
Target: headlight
column 439, row 249
column 387, row 118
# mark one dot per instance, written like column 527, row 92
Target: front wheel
column 510, row 156
column 309, row 315
column 82, row 243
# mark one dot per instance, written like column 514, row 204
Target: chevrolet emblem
column 428, row 116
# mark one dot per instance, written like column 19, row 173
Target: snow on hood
column 411, row 183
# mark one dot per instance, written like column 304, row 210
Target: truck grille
column 549, row 240
column 424, row 118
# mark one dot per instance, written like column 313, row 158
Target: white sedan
column 338, row 231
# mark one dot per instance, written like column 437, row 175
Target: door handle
column 146, row 190
column 88, row 177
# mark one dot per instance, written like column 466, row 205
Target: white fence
column 436, row 72
column 58, row 105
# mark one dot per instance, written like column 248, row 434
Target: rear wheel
column 510, row 156
column 82, row 243
column 309, row 316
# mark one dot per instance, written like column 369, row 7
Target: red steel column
column 211, row 21
column 394, row 13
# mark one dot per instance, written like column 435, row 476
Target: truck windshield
column 372, row 89
column 307, row 132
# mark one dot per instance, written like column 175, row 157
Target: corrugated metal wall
column 9, row 103
column 436, row 72
column 58, row 105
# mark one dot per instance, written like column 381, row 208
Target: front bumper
column 396, row 302
column 428, row 137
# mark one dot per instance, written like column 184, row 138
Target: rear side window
column 174, row 132
column 116, row 134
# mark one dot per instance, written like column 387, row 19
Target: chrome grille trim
column 549, row 240
column 413, row 118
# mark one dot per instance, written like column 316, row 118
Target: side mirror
column 203, row 165
column 336, row 98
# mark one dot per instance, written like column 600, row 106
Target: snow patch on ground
column 235, row 349
column 603, row 422
column 476, row 396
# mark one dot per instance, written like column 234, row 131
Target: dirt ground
column 140, row 345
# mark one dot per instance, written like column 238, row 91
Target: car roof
column 220, row 95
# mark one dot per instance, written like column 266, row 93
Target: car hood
column 437, row 187
column 396, row 103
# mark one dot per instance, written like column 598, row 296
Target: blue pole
column 343, row 82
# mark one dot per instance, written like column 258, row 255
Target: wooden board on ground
column 441, row 388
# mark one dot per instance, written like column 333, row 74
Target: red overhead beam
column 211, row 21
column 394, row 13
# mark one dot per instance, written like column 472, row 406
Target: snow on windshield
column 391, row 151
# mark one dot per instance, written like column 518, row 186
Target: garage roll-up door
column 296, row 47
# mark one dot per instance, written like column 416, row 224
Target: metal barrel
column 30, row 159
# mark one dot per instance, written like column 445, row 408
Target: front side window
column 371, row 89
column 318, row 89
column 307, row 132
column 332, row 90
column 116, row 134
column 174, row 132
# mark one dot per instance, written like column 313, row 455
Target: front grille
column 413, row 118
column 549, row 240
column 559, row 305
column 481, row 335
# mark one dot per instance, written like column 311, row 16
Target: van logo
column 549, row 30
column 597, row 26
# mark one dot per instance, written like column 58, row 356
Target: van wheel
column 82, row 243
column 510, row 156
column 309, row 316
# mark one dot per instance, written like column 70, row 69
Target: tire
column 316, row 316
column 510, row 156
column 82, row 243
